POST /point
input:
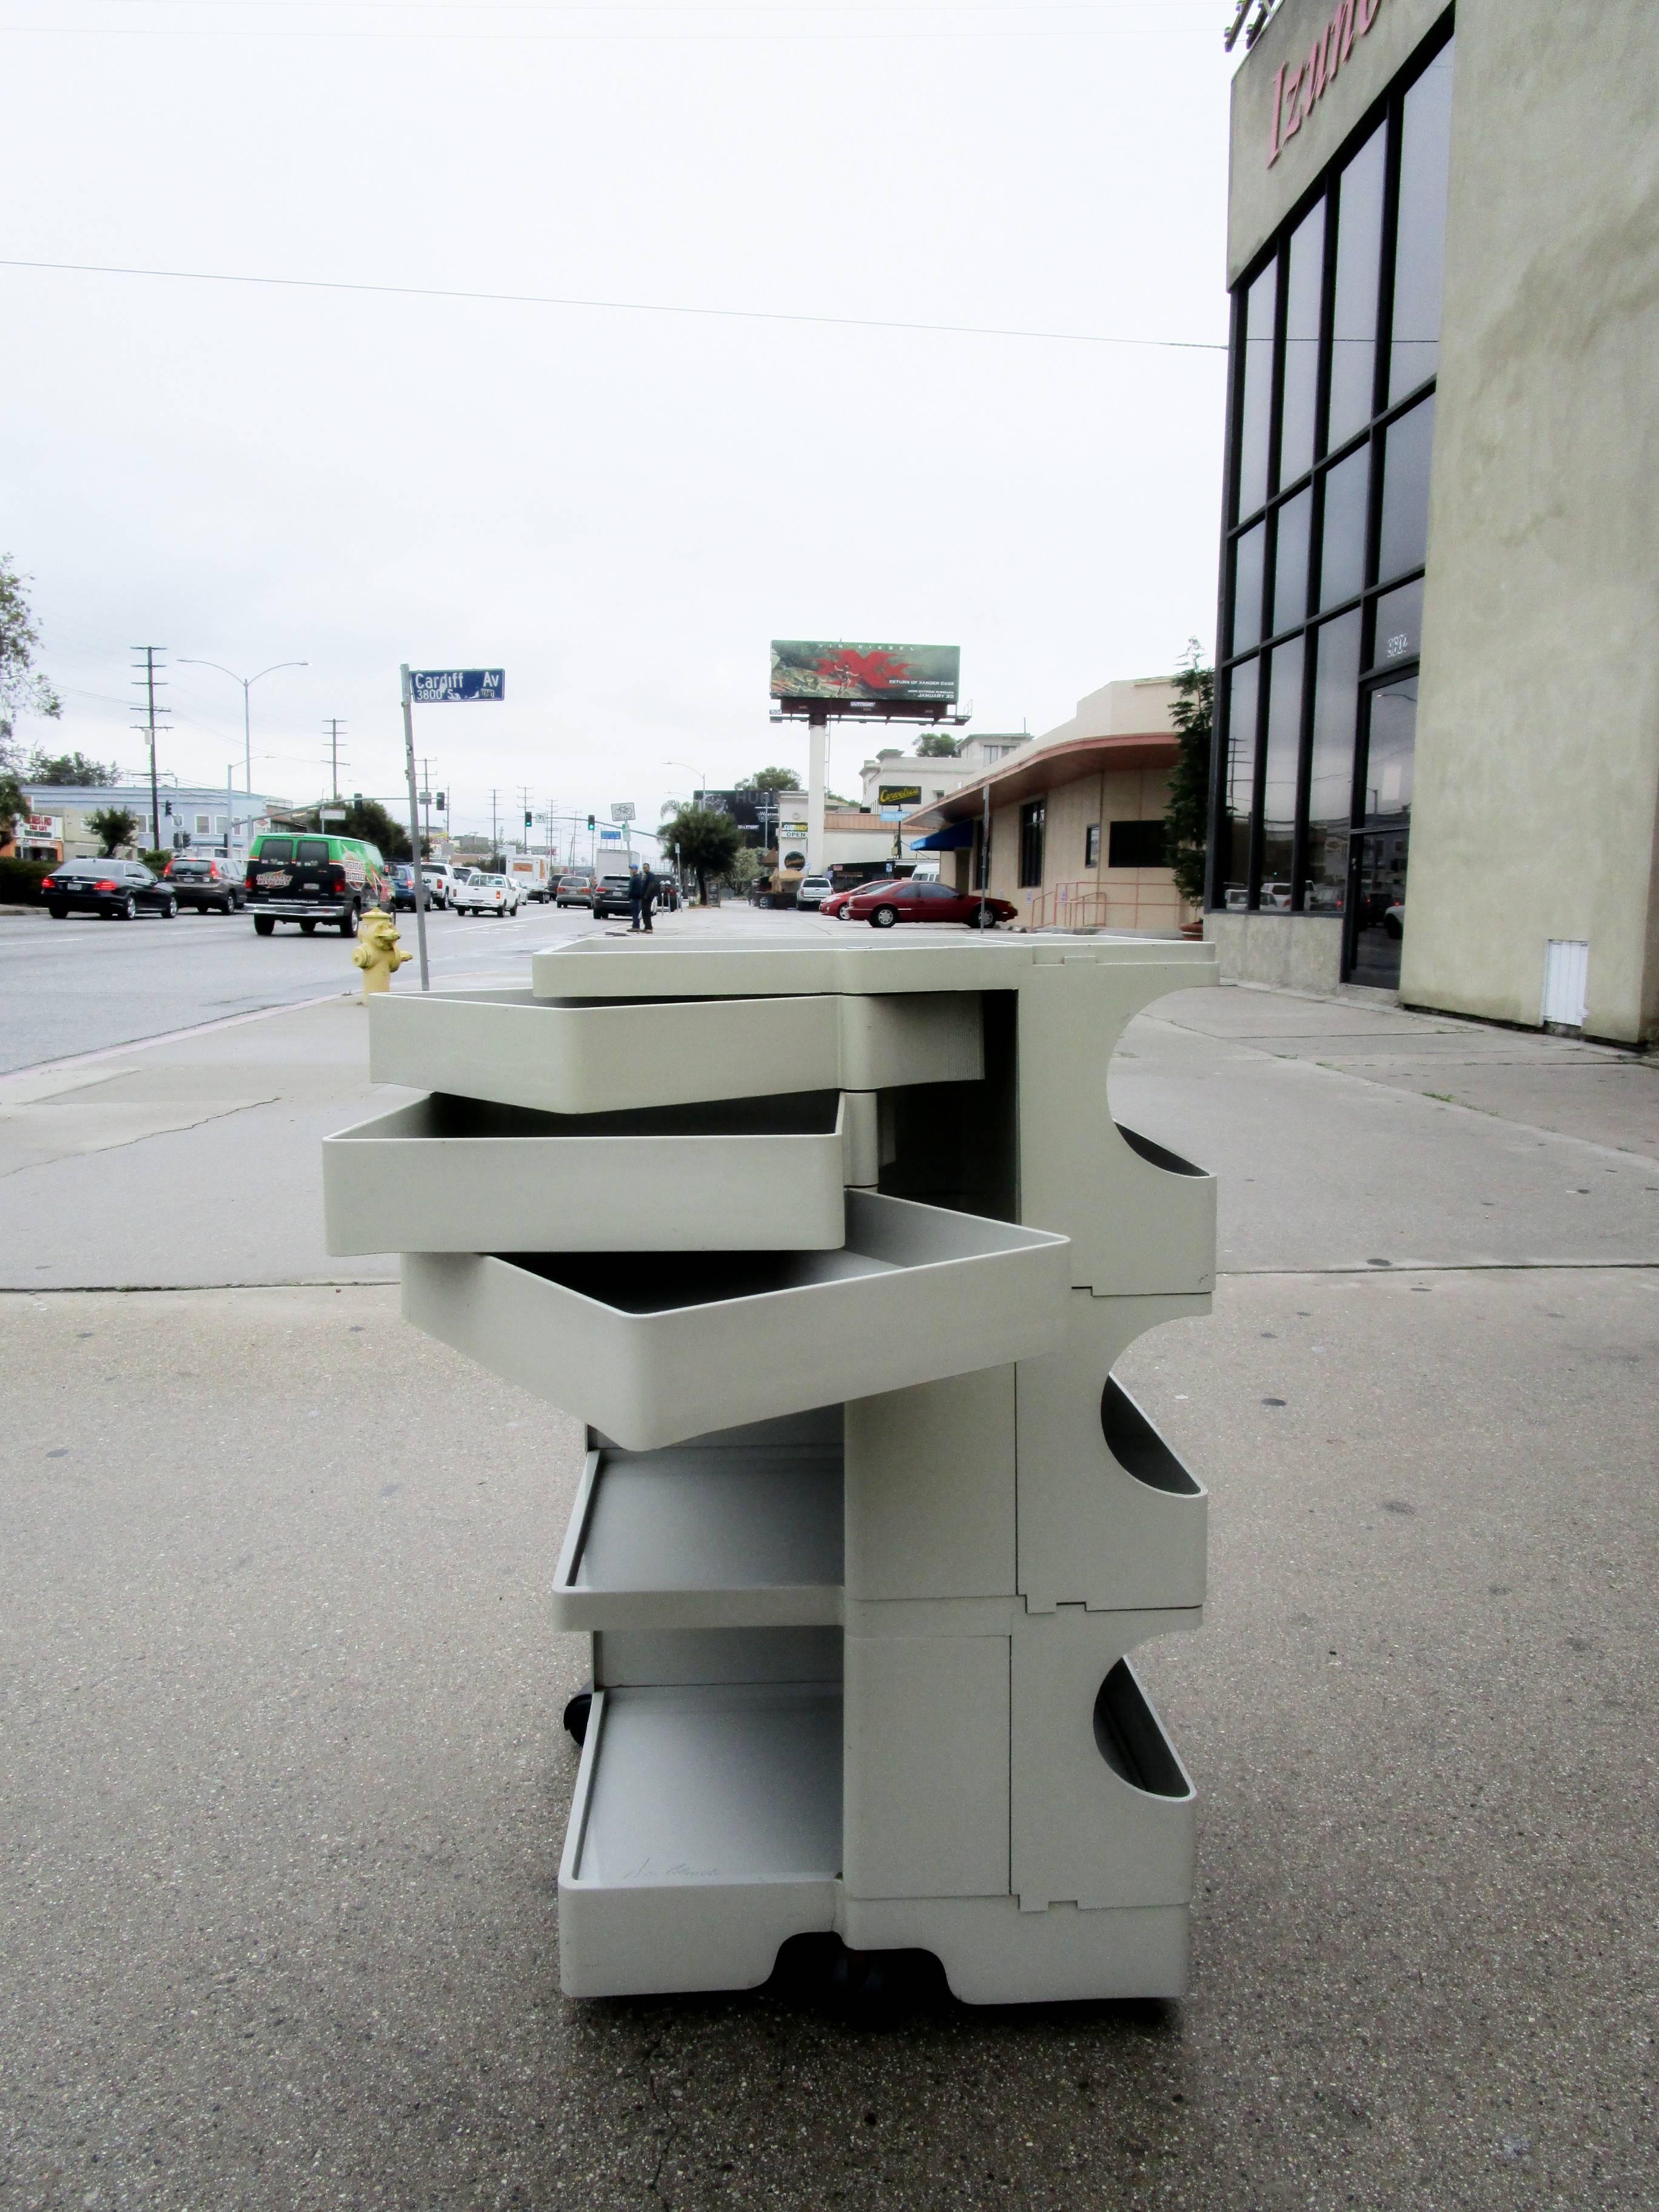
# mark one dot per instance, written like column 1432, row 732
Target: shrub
column 20, row 881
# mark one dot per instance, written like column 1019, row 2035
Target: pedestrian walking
column 641, row 895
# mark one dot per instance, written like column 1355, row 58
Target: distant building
column 1077, row 819
column 55, row 827
column 937, row 778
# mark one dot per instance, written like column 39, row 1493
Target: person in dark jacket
column 641, row 895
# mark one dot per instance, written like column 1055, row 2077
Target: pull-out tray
column 705, row 1830
column 459, row 1175
column 604, row 1057
column 703, row 1535
column 653, row 1347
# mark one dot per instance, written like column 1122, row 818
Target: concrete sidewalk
column 285, row 1784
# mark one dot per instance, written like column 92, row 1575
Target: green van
column 295, row 875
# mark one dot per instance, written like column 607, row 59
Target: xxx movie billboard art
column 864, row 676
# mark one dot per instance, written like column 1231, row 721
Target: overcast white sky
column 620, row 508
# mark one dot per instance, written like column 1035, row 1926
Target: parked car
column 209, row 885
column 836, row 900
column 611, row 894
column 576, row 888
column 882, row 905
column 308, row 880
column 1394, row 919
column 483, row 893
column 812, row 891
column 115, row 890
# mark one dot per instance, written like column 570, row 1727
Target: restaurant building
column 1436, row 756
column 1076, row 818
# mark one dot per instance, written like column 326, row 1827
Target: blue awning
column 954, row 837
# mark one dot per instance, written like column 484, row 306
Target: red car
column 903, row 899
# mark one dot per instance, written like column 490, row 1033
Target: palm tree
column 702, row 840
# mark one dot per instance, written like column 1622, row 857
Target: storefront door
column 1380, row 845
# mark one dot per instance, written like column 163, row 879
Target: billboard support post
column 407, row 690
column 817, row 732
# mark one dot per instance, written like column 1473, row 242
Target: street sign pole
column 407, row 690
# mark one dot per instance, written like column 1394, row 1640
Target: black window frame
column 1386, row 112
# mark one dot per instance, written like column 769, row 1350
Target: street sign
column 621, row 810
column 442, row 687
column 332, row 814
column 610, row 836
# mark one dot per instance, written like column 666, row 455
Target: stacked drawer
column 833, row 1250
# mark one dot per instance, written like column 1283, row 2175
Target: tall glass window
column 1033, row 822
column 1420, row 244
column 1249, row 555
column 1407, row 449
column 1256, row 407
column 1330, row 773
column 1238, row 783
column 1278, row 772
column 1328, row 533
column 1359, row 266
column 1303, row 291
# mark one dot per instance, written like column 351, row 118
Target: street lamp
column 703, row 781
column 246, row 683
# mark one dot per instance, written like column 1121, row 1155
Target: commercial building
column 932, row 778
column 1437, row 758
column 55, row 827
column 1076, row 818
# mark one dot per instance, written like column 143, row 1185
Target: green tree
column 14, row 802
column 938, row 745
column 703, row 840
column 770, row 779
column 72, row 768
column 112, row 826
column 23, row 690
column 1186, row 814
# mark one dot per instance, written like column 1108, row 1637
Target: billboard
column 865, row 679
column 898, row 795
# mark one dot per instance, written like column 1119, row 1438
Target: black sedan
column 116, row 890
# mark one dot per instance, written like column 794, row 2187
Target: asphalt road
column 79, row 985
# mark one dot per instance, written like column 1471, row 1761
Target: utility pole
column 495, row 835
column 524, row 815
column 334, row 725
column 148, row 727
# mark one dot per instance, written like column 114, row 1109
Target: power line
column 614, row 307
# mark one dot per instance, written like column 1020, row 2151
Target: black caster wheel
column 576, row 1715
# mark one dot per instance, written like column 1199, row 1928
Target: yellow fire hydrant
column 376, row 951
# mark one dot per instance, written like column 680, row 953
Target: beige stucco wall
column 1537, row 778
column 1259, row 194
column 1100, row 897
column 1133, row 707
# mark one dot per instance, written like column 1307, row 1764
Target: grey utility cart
column 866, row 1532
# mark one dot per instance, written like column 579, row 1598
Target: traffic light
column 356, row 798
column 167, row 810
column 526, row 818
column 442, row 807
column 590, row 825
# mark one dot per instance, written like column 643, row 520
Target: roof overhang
column 1056, row 765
